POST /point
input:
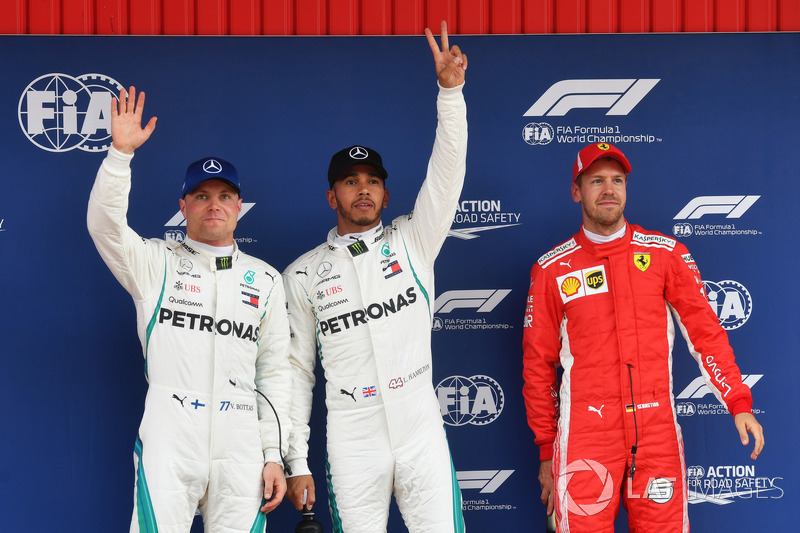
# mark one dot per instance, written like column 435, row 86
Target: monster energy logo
column 357, row 248
column 224, row 263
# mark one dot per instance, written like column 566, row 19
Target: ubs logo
column 187, row 287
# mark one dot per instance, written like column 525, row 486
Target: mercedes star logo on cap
column 212, row 166
column 358, row 153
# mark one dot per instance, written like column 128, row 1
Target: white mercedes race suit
column 366, row 309
column 213, row 330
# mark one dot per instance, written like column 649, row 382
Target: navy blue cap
column 210, row 168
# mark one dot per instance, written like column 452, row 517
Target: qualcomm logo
column 619, row 96
column 487, row 481
column 59, row 113
column 731, row 206
column 698, row 388
column 476, row 400
column 730, row 301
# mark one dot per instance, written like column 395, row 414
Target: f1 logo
column 482, row 300
column 621, row 96
column 487, row 481
column 698, row 387
column 732, row 206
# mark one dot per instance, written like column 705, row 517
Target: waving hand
column 127, row 133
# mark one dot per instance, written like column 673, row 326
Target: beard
column 363, row 220
column 604, row 218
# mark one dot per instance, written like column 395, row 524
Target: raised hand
column 127, row 133
column 450, row 62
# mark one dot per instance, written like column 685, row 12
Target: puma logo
column 351, row 394
column 179, row 399
column 567, row 264
column 596, row 410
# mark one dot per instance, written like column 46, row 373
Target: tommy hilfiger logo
column 392, row 269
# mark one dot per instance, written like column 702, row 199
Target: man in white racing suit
column 363, row 302
column 213, row 326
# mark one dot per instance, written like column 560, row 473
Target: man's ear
column 576, row 193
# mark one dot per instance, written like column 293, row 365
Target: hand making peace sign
column 450, row 62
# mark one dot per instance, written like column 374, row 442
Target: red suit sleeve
column 541, row 345
column 707, row 341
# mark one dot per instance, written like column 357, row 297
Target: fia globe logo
column 537, row 133
column 731, row 302
column 476, row 400
column 59, row 112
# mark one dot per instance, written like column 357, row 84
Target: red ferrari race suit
column 607, row 314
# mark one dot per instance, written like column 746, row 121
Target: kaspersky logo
column 59, row 112
column 619, row 96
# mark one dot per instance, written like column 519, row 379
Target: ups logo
column 595, row 279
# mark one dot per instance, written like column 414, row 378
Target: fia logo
column 538, row 133
column 476, row 400
column 59, row 113
column 731, row 302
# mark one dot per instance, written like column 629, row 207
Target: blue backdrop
column 709, row 122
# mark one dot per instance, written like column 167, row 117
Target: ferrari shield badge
column 641, row 260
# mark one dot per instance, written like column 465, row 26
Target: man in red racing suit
column 605, row 306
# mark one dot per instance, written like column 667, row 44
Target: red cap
column 590, row 153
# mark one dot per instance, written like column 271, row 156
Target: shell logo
column 570, row 286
